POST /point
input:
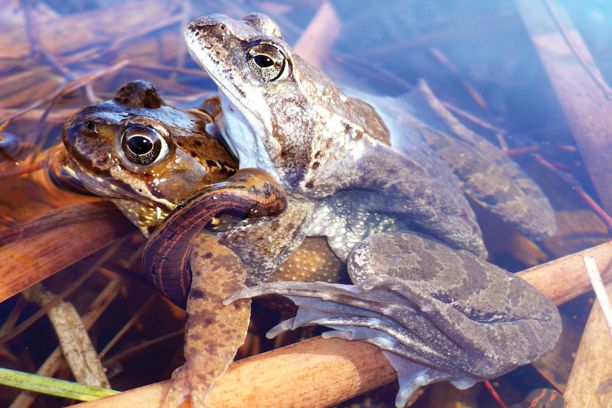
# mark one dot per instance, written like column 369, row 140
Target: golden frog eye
column 266, row 61
column 142, row 145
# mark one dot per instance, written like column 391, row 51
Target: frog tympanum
column 387, row 204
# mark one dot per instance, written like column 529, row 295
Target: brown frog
column 143, row 154
column 437, row 309
column 151, row 159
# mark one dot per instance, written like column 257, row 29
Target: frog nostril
column 218, row 31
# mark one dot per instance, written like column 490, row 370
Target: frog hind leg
column 441, row 314
column 487, row 174
column 213, row 331
column 419, row 188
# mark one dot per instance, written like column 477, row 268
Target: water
column 478, row 58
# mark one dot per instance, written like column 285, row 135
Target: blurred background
column 530, row 76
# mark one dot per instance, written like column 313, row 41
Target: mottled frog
column 428, row 299
column 150, row 158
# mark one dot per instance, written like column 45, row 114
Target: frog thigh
column 440, row 314
column 213, row 331
column 487, row 174
column 496, row 183
column 467, row 295
column 420, row 187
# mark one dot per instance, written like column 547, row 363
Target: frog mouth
column 103, row 184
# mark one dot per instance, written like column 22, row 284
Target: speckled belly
column 345, row 221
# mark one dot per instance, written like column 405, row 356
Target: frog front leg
column 213, row 331
column 437, row 313
column 264, row 244
column 250, row 192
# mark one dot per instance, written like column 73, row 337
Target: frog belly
column 345, row 223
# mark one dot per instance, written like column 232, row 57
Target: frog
column 178, row 162
column 103, row 141
column 421, row 288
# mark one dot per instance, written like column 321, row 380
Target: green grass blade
column 52, row 386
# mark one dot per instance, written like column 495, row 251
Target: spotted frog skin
column 153, row 160
column 100, row 138
column 387, row 204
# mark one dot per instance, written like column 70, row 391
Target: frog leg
column 263, row 244
column 213, row 331
column 165, row 259
column 487, row 175
column 181, row 261
column 437, row 313
column 417, row 186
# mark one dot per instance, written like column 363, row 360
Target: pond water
column 526, row 79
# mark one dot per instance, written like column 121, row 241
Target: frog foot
column 444, row 315
column 182, row 390
column 364, row 313
column 424, row 339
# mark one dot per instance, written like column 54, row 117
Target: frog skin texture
column 181, row 163
column 387, row 204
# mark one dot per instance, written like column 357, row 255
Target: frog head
column 144, row 154
column 281, row 114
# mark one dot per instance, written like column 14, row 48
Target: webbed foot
column 443, row 315
column 360, row 313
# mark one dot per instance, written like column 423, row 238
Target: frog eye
column 266, row 61
column 143, row 145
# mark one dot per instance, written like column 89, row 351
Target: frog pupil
column 140, row 145
column 266, row 62
column 263, row 61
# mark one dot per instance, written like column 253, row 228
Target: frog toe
column 187, row 389
column 425, row 339
column 366, row 312
column 350, row 323
column 411, row 376
column 181, row 391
